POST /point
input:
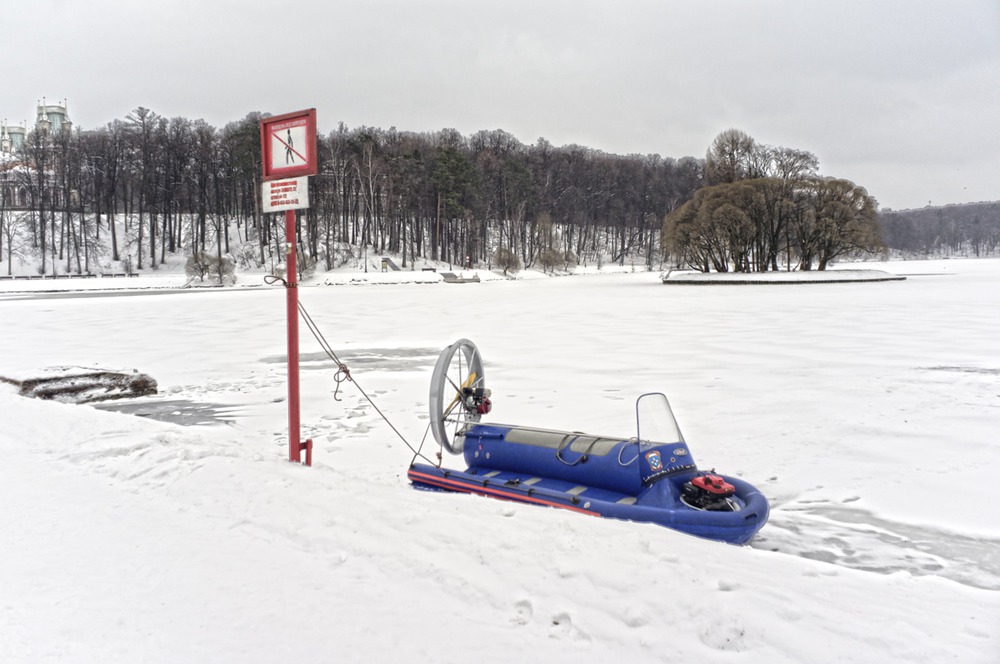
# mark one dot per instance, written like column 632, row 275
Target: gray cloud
column 900, row 96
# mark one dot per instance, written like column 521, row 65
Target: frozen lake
column 868, row 414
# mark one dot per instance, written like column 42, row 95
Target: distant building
column 49, row 118
column 11, row 138
column 15, row 175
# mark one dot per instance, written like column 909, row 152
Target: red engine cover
column 714, row 484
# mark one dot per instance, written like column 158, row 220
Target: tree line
column 764, row 207
column 178, row 186
column 183, row 186
column 972, row 229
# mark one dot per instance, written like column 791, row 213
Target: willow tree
column 738, row 225
column 832, row 218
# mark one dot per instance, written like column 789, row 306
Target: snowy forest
column 184, row 186
column 972, row 229
column 145, row 187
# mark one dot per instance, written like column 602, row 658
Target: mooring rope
column 344, row 375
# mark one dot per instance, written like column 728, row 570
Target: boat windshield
column 654, row 421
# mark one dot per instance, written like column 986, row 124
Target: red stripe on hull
column 463, row 487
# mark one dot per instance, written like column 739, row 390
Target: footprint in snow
column 724, row 633
column 563, row 627
column 523, row 613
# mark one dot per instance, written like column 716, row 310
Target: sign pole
column 292, row 311
column 288, row 156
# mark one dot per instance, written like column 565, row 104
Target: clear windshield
column 654, row 421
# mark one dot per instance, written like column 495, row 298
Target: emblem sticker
column 654, row 461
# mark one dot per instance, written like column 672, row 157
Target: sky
column 899, row 96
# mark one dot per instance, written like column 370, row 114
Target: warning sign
column 288, row 145
column 290, row 194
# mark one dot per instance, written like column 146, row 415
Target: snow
column 867, row 412
column 833, row 276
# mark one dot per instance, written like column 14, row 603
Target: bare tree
column 733, row 156
column 36, row 155
column 142, row 124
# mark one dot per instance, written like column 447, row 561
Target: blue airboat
column 651, row 477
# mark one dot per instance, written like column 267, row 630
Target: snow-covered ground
column 868, row 413
column 833, row 275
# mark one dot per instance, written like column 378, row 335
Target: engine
column 709, row 492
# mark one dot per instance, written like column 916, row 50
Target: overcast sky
column 902, row 96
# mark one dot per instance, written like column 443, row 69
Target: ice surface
column 867, row 413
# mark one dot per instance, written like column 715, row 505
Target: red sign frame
column 269, row 137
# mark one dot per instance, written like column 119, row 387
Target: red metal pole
column 292, row 302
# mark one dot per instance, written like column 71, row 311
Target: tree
column 762, row 201
column 142, row 124
column 693, row 233
column 838, row 218
column 203, row 172
column 368, row 171
column 198, row 264
column 35, row 153
column 550, row 259
column 6, row 221
column 736, row 225
column 107, row 151
column 788, row 164
column 733, row 156
column 11, row 221
column 506, row 260
column 202, row 264
column 456, row 184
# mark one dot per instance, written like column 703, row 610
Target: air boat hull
column 659, row 503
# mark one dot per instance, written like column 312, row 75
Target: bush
column 226, row 269
column 550, row 259
column 507, row 260
column 202, row 264
column 247, row 256
column 305, row 265
column 198, row 265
